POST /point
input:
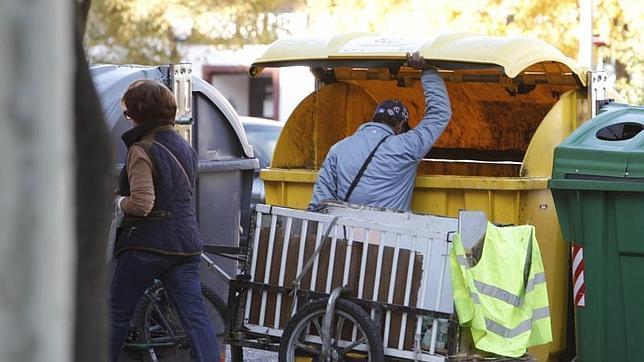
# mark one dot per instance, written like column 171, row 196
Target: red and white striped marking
column 579, row 288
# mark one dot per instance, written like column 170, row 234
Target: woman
column 159, row 237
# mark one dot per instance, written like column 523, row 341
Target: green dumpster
column 598, row 188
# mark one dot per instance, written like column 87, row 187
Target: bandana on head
column 392, row 109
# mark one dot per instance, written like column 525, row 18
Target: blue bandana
column 391, row 109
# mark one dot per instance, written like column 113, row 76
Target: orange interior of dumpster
column 490, row 130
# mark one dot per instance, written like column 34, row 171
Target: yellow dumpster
column 513, row 101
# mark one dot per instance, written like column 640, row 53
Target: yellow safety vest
column 503, row 298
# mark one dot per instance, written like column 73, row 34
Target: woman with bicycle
column 159, row 237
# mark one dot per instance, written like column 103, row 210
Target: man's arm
column 325, row 185
column 418, row 141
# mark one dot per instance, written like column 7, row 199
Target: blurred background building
column 221, row 38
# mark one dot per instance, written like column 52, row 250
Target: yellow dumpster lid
column 512, row 55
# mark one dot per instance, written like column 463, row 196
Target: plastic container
column 598, row 187
column 513, row 101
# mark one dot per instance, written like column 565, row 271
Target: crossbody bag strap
column 178, row 163
column 362, row 169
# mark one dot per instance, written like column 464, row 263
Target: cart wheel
column 354, row 336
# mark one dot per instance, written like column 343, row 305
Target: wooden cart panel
column 393, row 258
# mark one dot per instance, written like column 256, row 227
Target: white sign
column 378, row 44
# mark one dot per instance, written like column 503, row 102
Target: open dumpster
column 598, row 186
column 513, row 101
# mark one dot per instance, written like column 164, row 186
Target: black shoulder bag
column 362, row 169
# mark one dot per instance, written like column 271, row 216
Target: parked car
column 262, row 134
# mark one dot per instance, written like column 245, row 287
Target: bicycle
column 156, row 328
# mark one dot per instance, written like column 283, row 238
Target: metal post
column 597, row 90
column 586, row 34
column 325, row 354
column 180, row 79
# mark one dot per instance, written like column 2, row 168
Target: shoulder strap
column 145, row 145
column 362, row 169
column 178, row 163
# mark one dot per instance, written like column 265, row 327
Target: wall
column 235, row 88
column 36, row 215
column 295, row 83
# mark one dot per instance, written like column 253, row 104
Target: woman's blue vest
column 171, row 227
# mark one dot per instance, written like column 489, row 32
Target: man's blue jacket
column 388, row 181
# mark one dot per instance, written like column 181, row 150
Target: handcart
column 350, row 283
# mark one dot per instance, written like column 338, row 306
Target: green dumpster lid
column 607, row 149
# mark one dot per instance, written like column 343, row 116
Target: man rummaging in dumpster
column 377, row 165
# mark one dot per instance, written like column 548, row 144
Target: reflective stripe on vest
column 525, row 326
column 499, row 293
